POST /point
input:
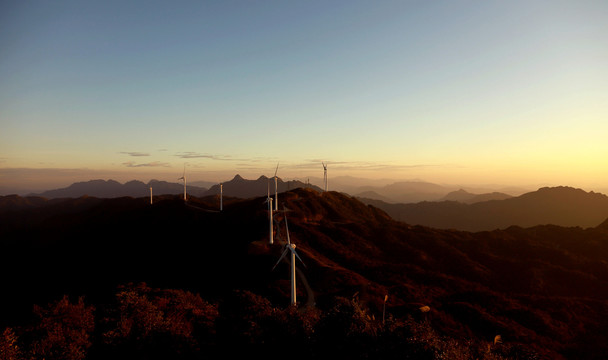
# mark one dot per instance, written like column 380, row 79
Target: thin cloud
column 134, row 153
column 131, row 164
column 361, row 165
column 196, row 155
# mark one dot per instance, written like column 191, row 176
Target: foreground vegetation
column 146, row 323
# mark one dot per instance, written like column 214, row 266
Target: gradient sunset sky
column 458, row 92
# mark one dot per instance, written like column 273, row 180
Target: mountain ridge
column 563, row 205
column 466, row 197
column 236, row 187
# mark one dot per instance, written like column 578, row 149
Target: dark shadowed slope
column 562, row 206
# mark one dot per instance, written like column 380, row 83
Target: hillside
column 563, row 206
column 526, row 284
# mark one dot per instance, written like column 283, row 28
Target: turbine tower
column 184, row 178
column 325, row 175
column 221, row 197
column 269, row 202
column 276, row 190
column 291, row 249
column 150, row 194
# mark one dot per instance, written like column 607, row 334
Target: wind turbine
column 276, row 190
column 221, row 197
column 325, row 175
column 291, row 249
column 184, row 178
column 269, row 201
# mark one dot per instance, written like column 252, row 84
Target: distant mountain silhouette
column 466, row 197
column 113, row 189
column 563, row 206
column 244, row 189
column 544, row 289
column 406, row 191
column 372, row 195
column 237, row 187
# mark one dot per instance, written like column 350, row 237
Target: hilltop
column 525, row 284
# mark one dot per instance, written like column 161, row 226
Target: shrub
column 63, row 330
column 9, row 350
column 159, row 323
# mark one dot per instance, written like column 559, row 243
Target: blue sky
column 446, row 91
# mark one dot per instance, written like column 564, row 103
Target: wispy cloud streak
column 196, row 155
column 314, row 164
column 132, row 164
column 134, row 153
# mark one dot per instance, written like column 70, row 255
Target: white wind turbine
column 184, row 178
column 325, row 175
column 290, row 248
column 276, row 190
column 269, row 202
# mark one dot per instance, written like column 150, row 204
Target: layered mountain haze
column 414, row 191
column 466, row 197
column 564, row 206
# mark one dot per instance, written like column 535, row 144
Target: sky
column 451, row 92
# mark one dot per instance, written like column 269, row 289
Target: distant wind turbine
column 290, row 248
column 184, row 178
column 276, row 190
column 221, row 197
column 325, row 175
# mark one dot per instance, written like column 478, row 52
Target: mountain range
column 466, row 197
column 544, row 289
column 413, row 191
column 459, row 209
column 236, row 187
column 564, row 206
column 112, row 189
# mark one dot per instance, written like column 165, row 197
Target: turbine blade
column 298, row 256
column 287, row 229
column 275, row 171
column 281, row 258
